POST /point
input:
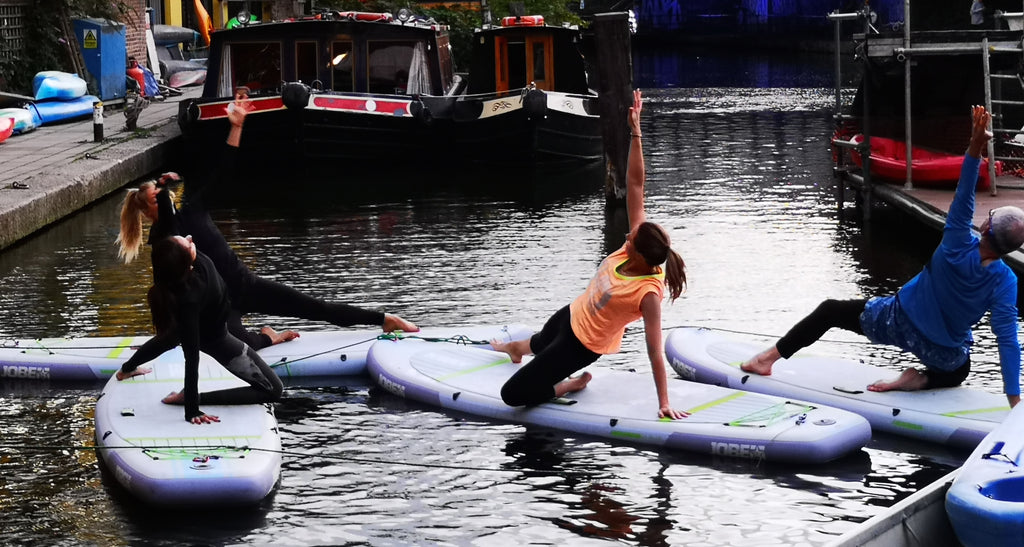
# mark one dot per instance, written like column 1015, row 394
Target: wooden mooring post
column 614, row 66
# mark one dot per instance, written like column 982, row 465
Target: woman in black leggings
column 248, row 292
column 190, row 306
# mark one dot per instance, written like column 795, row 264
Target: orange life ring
column 523, row 21
column 366, row 16
column 205, row 24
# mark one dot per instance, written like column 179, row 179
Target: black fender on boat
column 295, row 95
column 188, row 113
column 535, row 103
column 421, row 112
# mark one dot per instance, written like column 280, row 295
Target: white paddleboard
column 159, row 457
column 958, row 416
column 622, row 405
column 320, row 353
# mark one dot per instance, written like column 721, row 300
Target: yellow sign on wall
column 89, row 40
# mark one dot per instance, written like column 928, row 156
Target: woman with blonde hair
column 248, row 292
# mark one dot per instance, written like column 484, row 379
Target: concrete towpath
column 56, row 170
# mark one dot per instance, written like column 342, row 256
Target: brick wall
column 135, row 31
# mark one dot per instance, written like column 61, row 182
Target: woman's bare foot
column 762, row 362
column 908, row 380
column 572, row 385
column 137, row 372
column 174, row 398
column 515, row 349
column 278, row 337
column 394, row 322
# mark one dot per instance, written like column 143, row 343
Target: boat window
column 306, row 62
column 255, row 65
column 398, row 67
column 538, row 61
column 341, row 66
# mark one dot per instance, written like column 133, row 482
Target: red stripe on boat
column 394, row 108
column 211, row 111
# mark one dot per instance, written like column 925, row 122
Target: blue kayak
column 985, row 503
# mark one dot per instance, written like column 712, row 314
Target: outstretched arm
column 650, row 307
column 635, row 172
column 980, row 134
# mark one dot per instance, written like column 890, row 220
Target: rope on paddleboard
column 220, row 450
column 761, row 334
column 459, row 339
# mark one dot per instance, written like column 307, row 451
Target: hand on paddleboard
column 671, row 413
column 205, row 419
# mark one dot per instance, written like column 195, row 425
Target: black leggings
column 242, row 361
column 258, row 295
column 558, row 354
column 845, row 314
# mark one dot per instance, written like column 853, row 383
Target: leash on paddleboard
column 459, row 339
column 218, row 451
column 761, row 334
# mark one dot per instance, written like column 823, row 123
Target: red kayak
column 6, row 128
column 930, row 169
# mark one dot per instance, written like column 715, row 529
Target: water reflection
column 741, row 180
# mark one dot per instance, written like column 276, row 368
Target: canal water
column 739, row 174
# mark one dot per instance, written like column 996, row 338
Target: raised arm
column 980, row 134
column 635, row 172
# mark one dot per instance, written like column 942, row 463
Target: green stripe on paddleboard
column 908, row 425
column 976, row 411
column 116, row 352
column 474, row 369
column 716, row 402
column 626, row 435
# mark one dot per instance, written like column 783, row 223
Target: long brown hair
column 133, row 210
column 652, row 242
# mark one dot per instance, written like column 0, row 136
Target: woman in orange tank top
column 627, row 286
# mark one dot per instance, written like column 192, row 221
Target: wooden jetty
column 996, row 54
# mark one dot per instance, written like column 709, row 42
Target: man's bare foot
column 174, row 398
column 137, row 372
column 515, row 350
column 278, row 337
column 762, row 362
column 572, row 385
column 394, row 322
column 908, row 380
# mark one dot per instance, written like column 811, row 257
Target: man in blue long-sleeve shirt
column 932, row 315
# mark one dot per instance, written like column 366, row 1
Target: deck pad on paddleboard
column 957, row 416
column 622, row 405
column 162, row 459
column 317, row 353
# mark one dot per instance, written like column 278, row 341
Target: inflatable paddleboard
column 957, row 416
column 622, row 405
column 985, row 503
column 327, row 353
column 25, row 119
column 54, row 84
column 50, row 112
column 160, row 458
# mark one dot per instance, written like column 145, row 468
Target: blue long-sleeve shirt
column 954, row 290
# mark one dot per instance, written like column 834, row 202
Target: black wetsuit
column 201, row 311
column 248, row 292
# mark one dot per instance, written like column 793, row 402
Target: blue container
column 102, row 43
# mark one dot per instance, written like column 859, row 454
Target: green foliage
column 45, row 44
column 461, row 17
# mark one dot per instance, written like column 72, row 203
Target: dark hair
column 652, row 242
column 171, row 263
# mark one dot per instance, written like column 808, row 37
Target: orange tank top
column 612, row 300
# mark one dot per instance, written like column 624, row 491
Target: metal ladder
column 995, row 104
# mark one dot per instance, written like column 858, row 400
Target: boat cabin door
column 520, row 60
